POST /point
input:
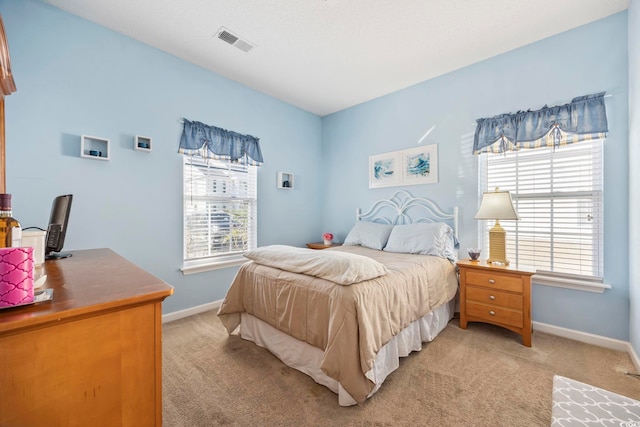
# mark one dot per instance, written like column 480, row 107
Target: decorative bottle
column 10, row 229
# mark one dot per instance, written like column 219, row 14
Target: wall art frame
column 385, row 169
column 413, row 166
column 420, row 165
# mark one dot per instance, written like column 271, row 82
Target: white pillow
column 369, row 234
column 426, row 238
column 343, row 268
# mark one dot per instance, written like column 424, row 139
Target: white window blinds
column 558, row 195
column 220, row 200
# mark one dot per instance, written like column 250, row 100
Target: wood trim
column 7, row 84
column 7, row 87
column 158, row 361
column 3, row 185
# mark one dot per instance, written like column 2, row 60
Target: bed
column 345, row 315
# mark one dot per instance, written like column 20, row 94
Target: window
column 220, row 200
column 558, row 195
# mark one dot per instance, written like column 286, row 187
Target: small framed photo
column 420, row 165
column 285, row 180
column 142, row 143
column 385, row 170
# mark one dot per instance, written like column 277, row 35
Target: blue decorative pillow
column 426, row 238
column 369, row 234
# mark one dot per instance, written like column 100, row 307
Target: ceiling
column 327, row 55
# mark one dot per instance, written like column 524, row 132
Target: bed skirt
column 307, row 359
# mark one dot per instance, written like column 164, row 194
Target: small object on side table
column 500, row 295
column 327, row 238
column 474, row 254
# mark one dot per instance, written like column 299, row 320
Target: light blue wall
column 75, row 77
column 634, row 172
column 587, row 60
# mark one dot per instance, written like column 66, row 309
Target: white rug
column 579, row 404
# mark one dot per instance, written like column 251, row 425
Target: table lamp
column 497, row 205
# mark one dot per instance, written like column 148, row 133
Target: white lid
column 33, row 233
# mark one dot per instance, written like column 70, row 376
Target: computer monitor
column 57, row 229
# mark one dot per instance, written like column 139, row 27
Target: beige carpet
column 481, row 376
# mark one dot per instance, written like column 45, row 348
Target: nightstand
column 321, row 245
column 500, row 295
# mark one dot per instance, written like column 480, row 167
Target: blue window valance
column 210, row 142
column 585, row 118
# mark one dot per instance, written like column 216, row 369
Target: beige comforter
column 350, row 323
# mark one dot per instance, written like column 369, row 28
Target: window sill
column 585, row 285
column 194, row 267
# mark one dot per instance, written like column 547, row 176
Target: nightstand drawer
column 494, row 314
column 497, row 281
column 494, row 297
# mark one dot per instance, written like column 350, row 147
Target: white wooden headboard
column 403, row 208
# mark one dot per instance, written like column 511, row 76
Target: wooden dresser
column 500, row 295
column 90, row 357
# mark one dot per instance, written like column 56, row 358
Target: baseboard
column 583, row 337
column 590, row 339
column 181, row 314
column 634, row 357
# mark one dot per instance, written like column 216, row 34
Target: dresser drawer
column 495, row 314
column 492, row 280
column 494, row 297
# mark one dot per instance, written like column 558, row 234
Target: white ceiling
column 327, row 55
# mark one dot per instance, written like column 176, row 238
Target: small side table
column 321, row 245
column 500, row 295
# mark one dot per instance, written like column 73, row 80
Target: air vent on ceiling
column 227, row 36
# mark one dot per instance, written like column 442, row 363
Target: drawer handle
column 492, row 281
column 491, row 312
column 492, row 297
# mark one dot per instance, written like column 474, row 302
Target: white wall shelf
column 142, row 143
column 285, row 180
column 93, row 147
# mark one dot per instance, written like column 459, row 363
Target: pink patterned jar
column 16, row 276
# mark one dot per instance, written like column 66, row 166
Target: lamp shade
column 497, row 205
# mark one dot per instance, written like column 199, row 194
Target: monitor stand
column 57, row 255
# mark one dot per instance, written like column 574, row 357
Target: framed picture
column 385, row 169
column 285, row 180
column 420, row 165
